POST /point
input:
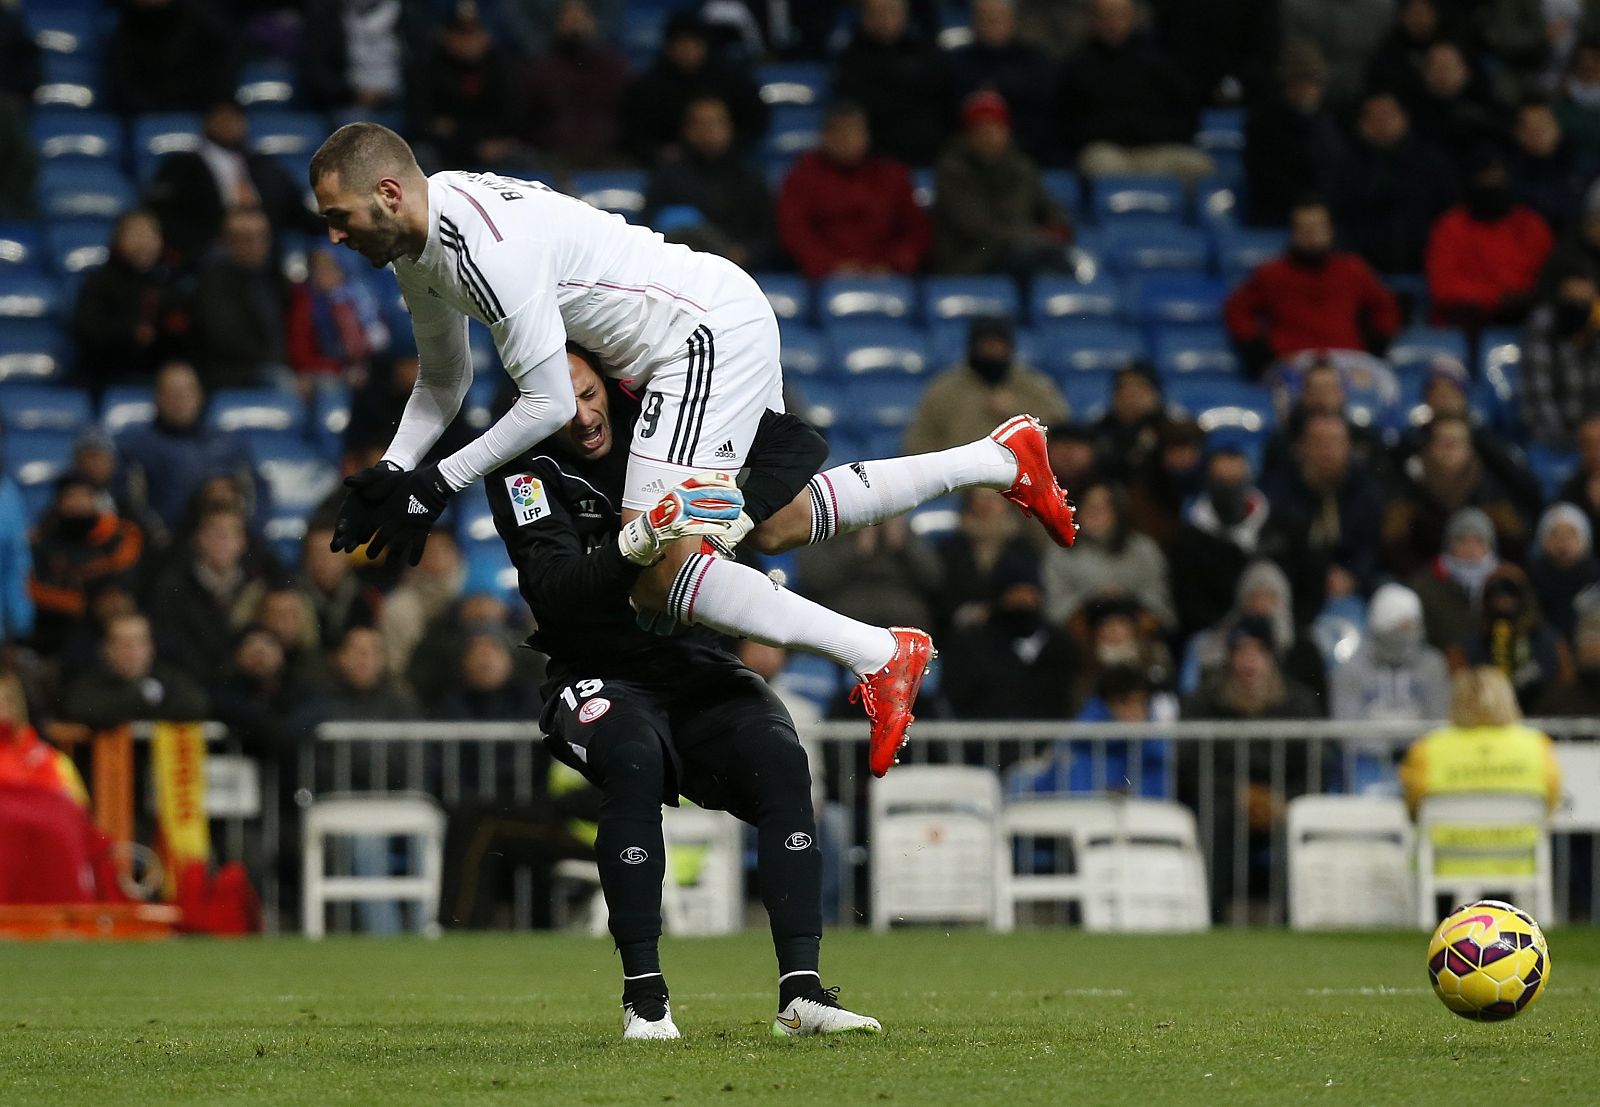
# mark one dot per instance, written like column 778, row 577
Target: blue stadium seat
column 127, row 405
column 947, row 343
column 1200, row 394
column 789, row 295
column 1137, row 196
column 21, row 246
column 1061, row 297
column 1142, row 246
column 79, row 245
column 922, row 187
column 1218, row 202
column 479, row 409
column 26, row 294
column 1070, row 346
column 1220, row 129
column 841, row 298
column 156, row 135
column 1241, row 249
column 881, row 442
column 935, row 519
column 879, row 346
column 793, row 129
column 1063, row 185
column 617, row 190
column 1194, row 349
column 62, row 133
column 285, row 532
column 65, row 30
column 287, row 133
column 1553, row 468
column 793, row 83
column 1414, row 347
column 880, row 400
column 1186, row 298
column 96, row 190
column 68, row 81
column 1498, row 348
column 35, row 458
column 474, row 520
column 806, row 352
column 330, row 415
column 298, row 478
column 392, row 118
column 256, row 409
column 812, row 678
column 266, row 84
column 966, row 297
column 826, row 399
column 30, row 407
column 32, row 350
column 1088, row 393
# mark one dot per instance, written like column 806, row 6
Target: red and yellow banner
column 178, row 762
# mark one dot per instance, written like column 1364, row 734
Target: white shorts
column 702, row 405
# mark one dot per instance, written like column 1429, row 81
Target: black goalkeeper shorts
column 786, row 454
column 717, row 728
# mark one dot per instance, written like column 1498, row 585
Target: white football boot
column 637, row 1028
column 819, row 1012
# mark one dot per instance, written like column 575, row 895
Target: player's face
column 588, row 436
column 368, row 223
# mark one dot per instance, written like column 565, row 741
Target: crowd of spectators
column 1452, row 144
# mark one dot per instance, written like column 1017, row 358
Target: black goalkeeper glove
column 362, row 509
column 409, row 514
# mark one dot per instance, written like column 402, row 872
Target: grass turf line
column 1037, row 1017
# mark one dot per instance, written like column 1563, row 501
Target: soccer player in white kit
column 690, row 333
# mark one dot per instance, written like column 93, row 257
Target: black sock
column 647, row 995
column 802, row 983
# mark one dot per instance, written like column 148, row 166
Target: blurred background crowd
column 1306, row 291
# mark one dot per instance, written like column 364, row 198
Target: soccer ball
column 1488, row 960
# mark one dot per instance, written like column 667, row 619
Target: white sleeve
column 545, row 405
column 444, row 376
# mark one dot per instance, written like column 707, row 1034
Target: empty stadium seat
column 63, row 133
column 879, row 346
column 20, row 245
column 31, row 350
column 880, row 401
column 1064, row 297
column 1414, row 347
column 616, row 190
column 156, row 135
column 65, row 30
column 793, row 129
column 1088, row 392
column 1072, row 345
column 266, row 84
column 789, row 295
column 30, row 407
column 966, row 297
column 802, row 83
column 1241, row 249
column 287, row 132
column 1220, row 400
column 1221, row 129
column 825, row 399
column 805, row 351
column 26, row 294
column 256, row 409
column 96, row 190
column 79, row 245
column 127, row 405
column 922, row 187
column 330, row 415
column 1065, row 188
column 1140, row 246
column 1552, row 467
column 68, row 81
column 35, row 458
column 1194, row 349
column 867, row 298
column 1137, row 195
column 298, row 478
column 1218, row 202
column 1183, row 298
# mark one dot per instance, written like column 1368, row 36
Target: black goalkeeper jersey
column 559, row 518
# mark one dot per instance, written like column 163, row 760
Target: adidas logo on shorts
column 725, row 452
column 656, row 488
column 415, row 507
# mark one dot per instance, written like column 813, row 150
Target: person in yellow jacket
column 1486, row 748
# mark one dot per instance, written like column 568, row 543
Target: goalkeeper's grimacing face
column 588, row 435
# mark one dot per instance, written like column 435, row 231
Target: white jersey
column 539, row 267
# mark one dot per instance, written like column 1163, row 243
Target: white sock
column 736, row 599
column 864, row 493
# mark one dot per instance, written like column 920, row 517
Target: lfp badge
column 527, row 498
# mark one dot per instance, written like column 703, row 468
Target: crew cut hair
column 362, row 154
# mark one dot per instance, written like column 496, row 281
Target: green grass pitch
column 1038, row 1017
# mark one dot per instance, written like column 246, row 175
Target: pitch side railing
column 1235, row 775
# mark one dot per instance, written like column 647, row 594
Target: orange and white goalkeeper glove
column 708, row 504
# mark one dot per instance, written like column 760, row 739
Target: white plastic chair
column 713, row 901
column 1146, row 874
column 937, row 851
column 378, row 815
column 1349, row 862
column 1070, row 821
column 1485, row 812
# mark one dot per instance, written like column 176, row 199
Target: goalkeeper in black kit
column 647, row 718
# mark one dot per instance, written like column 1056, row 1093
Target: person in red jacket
column 1484, row 255
column 842, row 210
column 1312, row 298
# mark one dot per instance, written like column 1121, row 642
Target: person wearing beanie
column 1563, row 568
column 991, row 210
column 997, row 58
column 1451, row 587
column 990, row 384
column 1263, row 594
